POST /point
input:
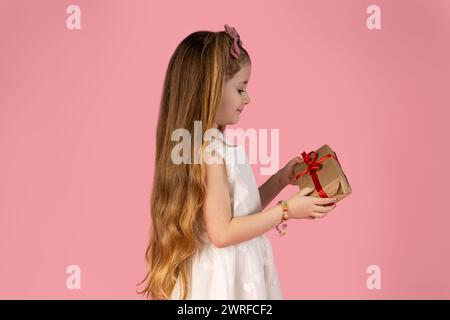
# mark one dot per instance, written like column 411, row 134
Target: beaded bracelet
column 284, row 218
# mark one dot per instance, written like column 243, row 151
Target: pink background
column 77, row 127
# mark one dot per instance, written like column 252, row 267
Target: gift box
column 322, row 171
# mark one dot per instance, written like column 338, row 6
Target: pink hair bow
column 235, row 50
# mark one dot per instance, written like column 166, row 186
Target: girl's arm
column 224, row 230
column 273, row 186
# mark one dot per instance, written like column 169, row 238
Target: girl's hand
column 301, row 206
column 287, row 175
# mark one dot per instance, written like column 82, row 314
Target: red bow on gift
column 312, row 165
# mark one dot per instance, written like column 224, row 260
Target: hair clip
column 235, row 50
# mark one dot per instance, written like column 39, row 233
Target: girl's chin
column 233, row 121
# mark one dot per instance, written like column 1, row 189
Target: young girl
column 207, row 238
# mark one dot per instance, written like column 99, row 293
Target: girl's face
column 234, row 97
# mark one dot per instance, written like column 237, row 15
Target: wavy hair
column 192, row 91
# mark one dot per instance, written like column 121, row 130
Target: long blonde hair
column 192, row 91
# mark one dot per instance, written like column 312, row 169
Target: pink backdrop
column 78, row 115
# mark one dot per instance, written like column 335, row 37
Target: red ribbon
column 312, row 165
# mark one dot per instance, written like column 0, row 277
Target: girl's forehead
column 243, row 75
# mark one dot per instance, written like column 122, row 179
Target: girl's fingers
column 322, row 209
column 319, row 215
column 294, row 162
column 322, row 201
column 306, row 191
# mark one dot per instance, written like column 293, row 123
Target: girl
column 208, row 227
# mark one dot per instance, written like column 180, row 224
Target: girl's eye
column 240, row 91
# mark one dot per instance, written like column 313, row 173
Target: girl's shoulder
column 221, row 139
column 231, row 154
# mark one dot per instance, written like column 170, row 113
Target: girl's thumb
column 305, row 191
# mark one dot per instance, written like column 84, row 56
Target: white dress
column 243, row 271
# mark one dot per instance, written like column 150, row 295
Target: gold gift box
column 329, row 174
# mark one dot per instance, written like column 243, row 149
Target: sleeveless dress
column 243, row 271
